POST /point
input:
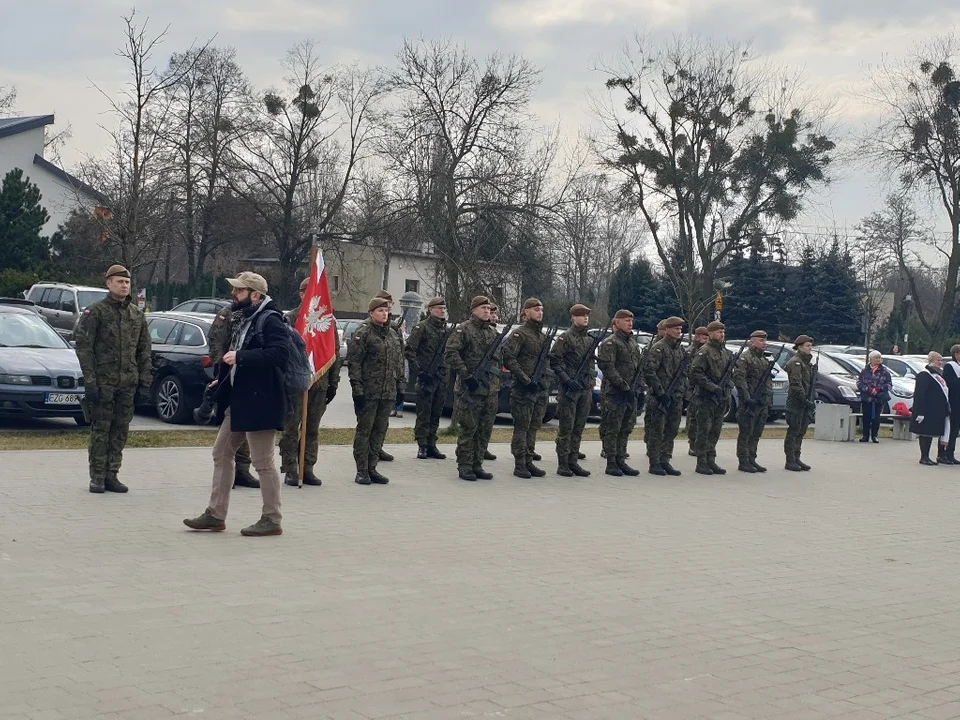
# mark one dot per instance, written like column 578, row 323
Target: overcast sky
column 54, row 50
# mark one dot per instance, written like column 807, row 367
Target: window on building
column 411, row 286
column 496, row 293
column 334, row 283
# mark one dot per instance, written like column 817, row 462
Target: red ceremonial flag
column 316, row 322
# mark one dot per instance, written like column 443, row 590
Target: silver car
column 62, row 303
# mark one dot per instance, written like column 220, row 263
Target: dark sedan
column 181, row 363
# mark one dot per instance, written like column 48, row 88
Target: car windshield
column 20, row 330
column 89, row 297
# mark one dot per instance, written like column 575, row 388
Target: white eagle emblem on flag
column 319, row 318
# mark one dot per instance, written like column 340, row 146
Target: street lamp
column 908, row 312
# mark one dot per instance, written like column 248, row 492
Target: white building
column 21, row 146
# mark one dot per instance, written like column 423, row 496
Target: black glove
column 92, row 394
column 811, row 406
column 471, row 383
column 143, row 396
column 572, row 385
column 423, row 378
column 359, row 403
column 331, row 392
column 532, row 387
column 718, row 394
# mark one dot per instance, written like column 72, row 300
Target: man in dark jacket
column 250, row 386
column 951, row 374
column 424, row 354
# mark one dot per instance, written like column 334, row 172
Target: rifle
column 432, row 374
column 677, row 377
column 585, row 360
column 540, row 368
column 763, row 377
column 482, row 372
column 725, row 378
column 812, row 395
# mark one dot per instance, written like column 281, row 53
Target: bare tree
column 8, row 98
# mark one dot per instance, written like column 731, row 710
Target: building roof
column 76, row 183
column 14, row 125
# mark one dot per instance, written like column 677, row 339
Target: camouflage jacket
column 708, row 368
column 692, row 351
column 568, row 352
column 332, row 376
column 219, row 336
column 619, row 360
column 753, row 370
column 800, row 373
column 423, row 344
column 521, row 352
column 661, row 364
column 466, row 347
column 113, row 345
column 375, row 362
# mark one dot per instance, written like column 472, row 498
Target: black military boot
column 422, row 452
column 575, row 467
column 534, row 470
column 746, row 466
column 96, row 485
column 792, row 465
column 801, row 463
column 703, row 467
column 112, row 484
column 377, row 479
column 243, row 478
column 581, row 456
column 487, row 455
column 434, row 453
column 717, row 470
column 563, row 467
column 536, row 457
column 626, row 469
column 467, row 474
column 362, row 478
column 310, row 479
column 656, row 469
column 613, row 468
column 520, row 469
column 482, row 474
column 669, row 469
column 385, row 456
column 291, row 478
column 757, row 466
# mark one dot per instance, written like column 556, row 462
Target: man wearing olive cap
column 661, row 370
column 619, row 359
column 801, row 404
column 113, row 346
column 700, row 338
column 424, row 354
column 573, row 362
column 751, row 378
column 708, row 371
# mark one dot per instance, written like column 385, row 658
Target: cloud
column 285, row 15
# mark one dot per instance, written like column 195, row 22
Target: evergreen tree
column 756, row 297
column 22, row 218
column 636, row 288
column 838, row 318
column 798, row 316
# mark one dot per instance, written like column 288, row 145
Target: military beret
column 801, row 339
column 759, row 334
column 304, row 284
column 660, row 325
column 377, row 302
column 385, row 295
column 249, row 281
column 716, row 325
column 531, row 303
column 578, row 310
column 494, row 307
column 479, row 300
column 623, row 315
column 117, row 271
column 436, row 302
column 672, row 322
column 701, row 330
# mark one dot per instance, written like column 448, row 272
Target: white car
column 903, row 385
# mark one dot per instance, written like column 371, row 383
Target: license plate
column 62, row 399
column 779, row 385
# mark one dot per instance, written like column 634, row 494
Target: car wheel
column 171, row 400
column 81, row 421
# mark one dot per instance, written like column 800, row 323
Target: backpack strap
column 261, row 319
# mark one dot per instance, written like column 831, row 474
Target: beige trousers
column 262, row 444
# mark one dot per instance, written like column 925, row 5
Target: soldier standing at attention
column 375, row 365
column 751, row 378
column 319, row 395
column 395, row 326
column 707, row 372
column 489, row 419
column 475, row 401
column 220, row 332
column 619, row 360
column 424, row 356
column 800, row 402
column 662, row 420
column 113, row 346
column 528, row 399
column 576, row 393
column 700, row 339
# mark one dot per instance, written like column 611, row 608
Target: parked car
column 906, row 365
column 902, row 389
column 20, row 302
column 62, row 304
column 206, row 306
column 835, row 383
column 346, row 328
column 40, row 374
column 181, row 363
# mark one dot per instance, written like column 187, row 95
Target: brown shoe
column 262, row 528
column 206, row 521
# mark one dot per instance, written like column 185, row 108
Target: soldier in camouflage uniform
column 707, row 373
column 575, row 393
column 475, row 401
column 424, row 354
column 375, row 366
column 394, row 324
column 661, row 366
column 751, row 378
column 218, row 341
column 113, row 346
column 800, row 401
column 619, row 360
column 495, row 384
column 528, row 398
column 700, row 339
column 319, row 395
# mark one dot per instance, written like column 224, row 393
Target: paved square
column 833, row 593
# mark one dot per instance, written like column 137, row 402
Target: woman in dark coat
column 951, row 373
column 931, row 410
column 874, row 386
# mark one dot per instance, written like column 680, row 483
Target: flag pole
column 314, row 251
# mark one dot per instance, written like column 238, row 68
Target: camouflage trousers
column 429, row 408
column 618, row 415
column 751, row 423
column 692, row 406
column 290, row 440
column 798, row 420
column 709, row 424
column 109, row 423
column 660, row 428
column 527, row 413
column 475, row 415
column 372, row 423
column 572, row 415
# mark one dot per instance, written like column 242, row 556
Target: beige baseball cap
column 249, row 281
